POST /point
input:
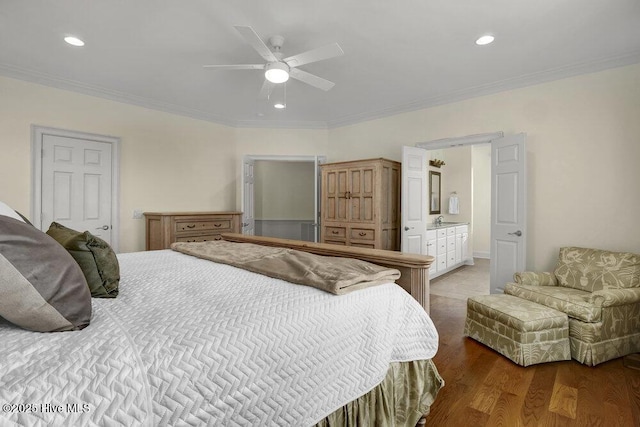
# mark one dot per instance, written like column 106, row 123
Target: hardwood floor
column 483, row 388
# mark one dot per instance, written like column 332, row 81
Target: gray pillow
column 41, row 286
column 95, row 257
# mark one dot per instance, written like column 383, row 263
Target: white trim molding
column 460, row 141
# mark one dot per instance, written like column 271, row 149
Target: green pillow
column 95, row 257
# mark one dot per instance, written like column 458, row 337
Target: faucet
column 438, row 220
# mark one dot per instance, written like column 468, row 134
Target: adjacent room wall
column 583, row 148
column 284, row 198
column 481, row 194
column 279, row 186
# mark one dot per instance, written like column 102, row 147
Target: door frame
column 473, row 140
column 37, row 134
column 318, row 160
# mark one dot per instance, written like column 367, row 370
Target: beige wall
column 583, row 149
column 167, row 162
column 284, row 190
column 481, row 218
column 582, row 146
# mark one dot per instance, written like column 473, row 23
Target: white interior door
column 414, row 204
column 508, row 210
column 76, row 184
column 248, row 208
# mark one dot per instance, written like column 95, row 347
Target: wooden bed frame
column 414, row 268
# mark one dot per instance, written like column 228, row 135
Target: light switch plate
column 137, row 213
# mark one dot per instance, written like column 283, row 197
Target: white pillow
column 7, row 211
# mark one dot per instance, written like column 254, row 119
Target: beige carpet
column 463, row 282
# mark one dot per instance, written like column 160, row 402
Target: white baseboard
column 480, row 254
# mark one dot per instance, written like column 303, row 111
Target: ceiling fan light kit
column 276, row 72
column 277, row 69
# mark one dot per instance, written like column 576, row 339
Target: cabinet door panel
column 335, row 195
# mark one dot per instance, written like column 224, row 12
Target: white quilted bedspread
column 191, row 342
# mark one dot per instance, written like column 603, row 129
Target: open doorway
column 466, row 176
column 507, row 199
column 280, row 196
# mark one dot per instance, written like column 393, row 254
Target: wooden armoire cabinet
column 360, row 204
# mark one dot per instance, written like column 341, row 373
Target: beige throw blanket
column 331, row 274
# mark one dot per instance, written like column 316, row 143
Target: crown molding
column 447, row 98
column 112, row 95
column 491, row 88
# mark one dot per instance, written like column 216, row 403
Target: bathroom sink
column 444, row 224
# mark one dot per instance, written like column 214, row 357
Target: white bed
column 191, row 342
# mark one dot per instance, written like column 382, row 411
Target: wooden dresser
column 361, row 204
column 164, row 228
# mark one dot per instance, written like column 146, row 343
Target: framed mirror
column 434, row 192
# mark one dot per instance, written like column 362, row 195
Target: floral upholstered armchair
column 599, row 291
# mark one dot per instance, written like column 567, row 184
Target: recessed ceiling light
column 486, row 39
column 74, row 41
column 279, row 106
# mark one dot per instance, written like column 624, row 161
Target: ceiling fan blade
column 267, row 88
column 314, row 55
column 256, row 42
column 311, row 79
column 237, row 67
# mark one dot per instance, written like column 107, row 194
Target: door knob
column 517, row 233
column 104, row 227
column 245, row 224
column 407, row 228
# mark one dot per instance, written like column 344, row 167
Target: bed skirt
column 401, row 399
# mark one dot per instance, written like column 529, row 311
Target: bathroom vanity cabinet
column 449, row 245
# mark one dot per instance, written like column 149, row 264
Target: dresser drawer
column 199, row 238
column 335, row 232
column 363, row 245
column 362, row 234
column 164, row 228
column 203, row 225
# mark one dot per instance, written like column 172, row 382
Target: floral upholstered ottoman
column 521, row 330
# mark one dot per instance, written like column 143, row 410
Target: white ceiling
column 399, row 55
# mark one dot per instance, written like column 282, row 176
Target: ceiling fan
column 279, row 69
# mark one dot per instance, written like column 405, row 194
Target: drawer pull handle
column 362, row 233
column 335, row 232
column 217, row 224
column 191, row 226
column 217, row 238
